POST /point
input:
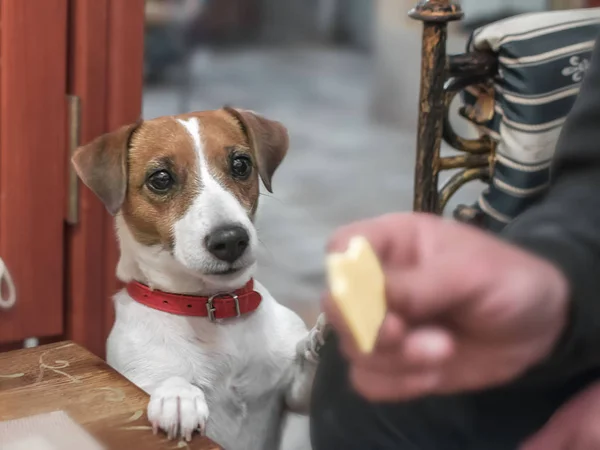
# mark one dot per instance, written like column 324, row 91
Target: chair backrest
column 518, row 81
column 541, row 61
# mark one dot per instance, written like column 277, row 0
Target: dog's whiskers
column 269, row 252
column 272, row 197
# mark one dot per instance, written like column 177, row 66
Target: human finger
column 382, row 387
column 432, row 288
column 388, row 340
column 427, row 347
column 421, row 349
column 391, row 333
column 391, row 236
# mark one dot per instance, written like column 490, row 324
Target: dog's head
column 188, row 184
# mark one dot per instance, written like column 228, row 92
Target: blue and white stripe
column 542, row 59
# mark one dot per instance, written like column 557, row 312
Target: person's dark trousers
column 492, row 420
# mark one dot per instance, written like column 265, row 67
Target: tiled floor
column 341, row 167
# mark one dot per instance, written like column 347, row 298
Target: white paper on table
column 50, row 431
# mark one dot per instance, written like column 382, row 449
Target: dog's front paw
column 178, row 408
column 310, row 346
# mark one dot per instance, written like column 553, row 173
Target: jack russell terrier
column 212, row 348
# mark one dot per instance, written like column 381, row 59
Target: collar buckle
column 210, row 305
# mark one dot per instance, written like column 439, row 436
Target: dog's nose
column 228, row 243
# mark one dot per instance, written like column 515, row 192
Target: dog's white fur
column 236, row 378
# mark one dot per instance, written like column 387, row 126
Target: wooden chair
column 517, row 82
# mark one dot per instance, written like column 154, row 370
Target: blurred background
column 342, row 75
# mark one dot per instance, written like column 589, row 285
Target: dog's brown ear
column 268, row 138
column 102, row 166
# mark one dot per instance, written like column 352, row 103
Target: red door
column 107, row 47
column 33, row 139
column 56, row 240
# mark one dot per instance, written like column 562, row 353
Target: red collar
column 220, row 306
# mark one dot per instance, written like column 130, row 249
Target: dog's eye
column 160, row 181
column 241, row 166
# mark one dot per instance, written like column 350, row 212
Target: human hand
column 466, row 311
column 573, row 427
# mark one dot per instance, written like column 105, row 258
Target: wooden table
column 66, row 377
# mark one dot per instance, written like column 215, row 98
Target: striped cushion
column 542, row 58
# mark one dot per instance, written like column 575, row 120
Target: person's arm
column 565, row 229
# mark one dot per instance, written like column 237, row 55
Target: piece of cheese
column 357, row 285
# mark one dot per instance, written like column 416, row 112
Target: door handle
column 8, row 292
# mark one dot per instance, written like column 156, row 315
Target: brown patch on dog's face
column 152, row 172
column 165, row 145
column 268, row 139
column 160, row 149
column 102, row 166
column 226, row 148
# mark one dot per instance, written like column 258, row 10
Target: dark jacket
column 565, row 229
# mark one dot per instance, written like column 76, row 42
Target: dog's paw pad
column 178, row 408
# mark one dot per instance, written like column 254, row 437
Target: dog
column 210, row 345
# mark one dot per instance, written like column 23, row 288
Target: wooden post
column 435, row 15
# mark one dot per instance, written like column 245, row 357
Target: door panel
column 33, row 129
column 124, row 102
column 86, row 296
column 107, row 43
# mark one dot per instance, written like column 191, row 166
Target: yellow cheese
column 357, row 285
